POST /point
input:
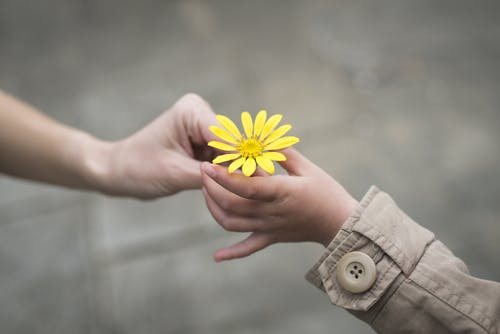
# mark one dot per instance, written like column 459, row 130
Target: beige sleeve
column 420, row 286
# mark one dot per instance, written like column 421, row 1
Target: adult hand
column 159, row 160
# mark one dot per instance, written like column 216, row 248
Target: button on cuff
column 369, row 292
column 357, row 234
column 356, row 272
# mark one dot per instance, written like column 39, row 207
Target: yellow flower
column 256, row 146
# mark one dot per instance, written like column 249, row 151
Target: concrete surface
column 404, row 95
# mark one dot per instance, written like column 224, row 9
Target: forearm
column 35, row 147
column 419, row 286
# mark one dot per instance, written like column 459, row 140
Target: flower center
column 250, row 148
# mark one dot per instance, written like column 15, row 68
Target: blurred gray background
column 402, row 94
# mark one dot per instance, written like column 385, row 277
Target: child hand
column 306, row 205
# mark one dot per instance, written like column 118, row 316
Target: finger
column 254, row 243
column 260, row 172
column 257, row 188
column 227, row 221
column 183, row 172
column 196, row 117
column 296, row 164
column 231, row 202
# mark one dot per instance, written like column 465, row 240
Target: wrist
column 93, row 162
column 339, row 212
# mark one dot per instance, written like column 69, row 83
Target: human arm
column 418, row 286
column 158, row 160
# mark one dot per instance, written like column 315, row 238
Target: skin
column 164, row 158
column 305, row 205
column 161, row 159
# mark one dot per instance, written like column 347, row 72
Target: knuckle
column 225, row 224
column 222, row 219
column 261, row 226
column 191, row 101
column 271, row 239
column 275, row 192
column 225, row 204
column 251, row 192
column 303, row 186
column 229, row 225
column 218, row 214
column 283, row 195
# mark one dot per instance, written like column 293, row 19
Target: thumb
column 197, row 116
column 296, row 164
column 188, row 174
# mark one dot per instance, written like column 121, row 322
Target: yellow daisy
column 256, row 146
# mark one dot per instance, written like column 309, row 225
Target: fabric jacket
column 420, row 286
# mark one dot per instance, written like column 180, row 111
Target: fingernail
column 209, row 169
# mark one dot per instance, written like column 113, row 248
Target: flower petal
column 260, row 120
column 229, row 126
column 246, row 120
column 226, row 157
column 221, row 146
column 276, row 156
column 236, row 164
column 249, row 167
column 271, row 123
column 282, row 143
column 222, row 134
column 265, row 164
column 278, row 133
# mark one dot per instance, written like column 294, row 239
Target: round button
column 356, row 272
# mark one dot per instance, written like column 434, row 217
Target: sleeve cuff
column 382, row 231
